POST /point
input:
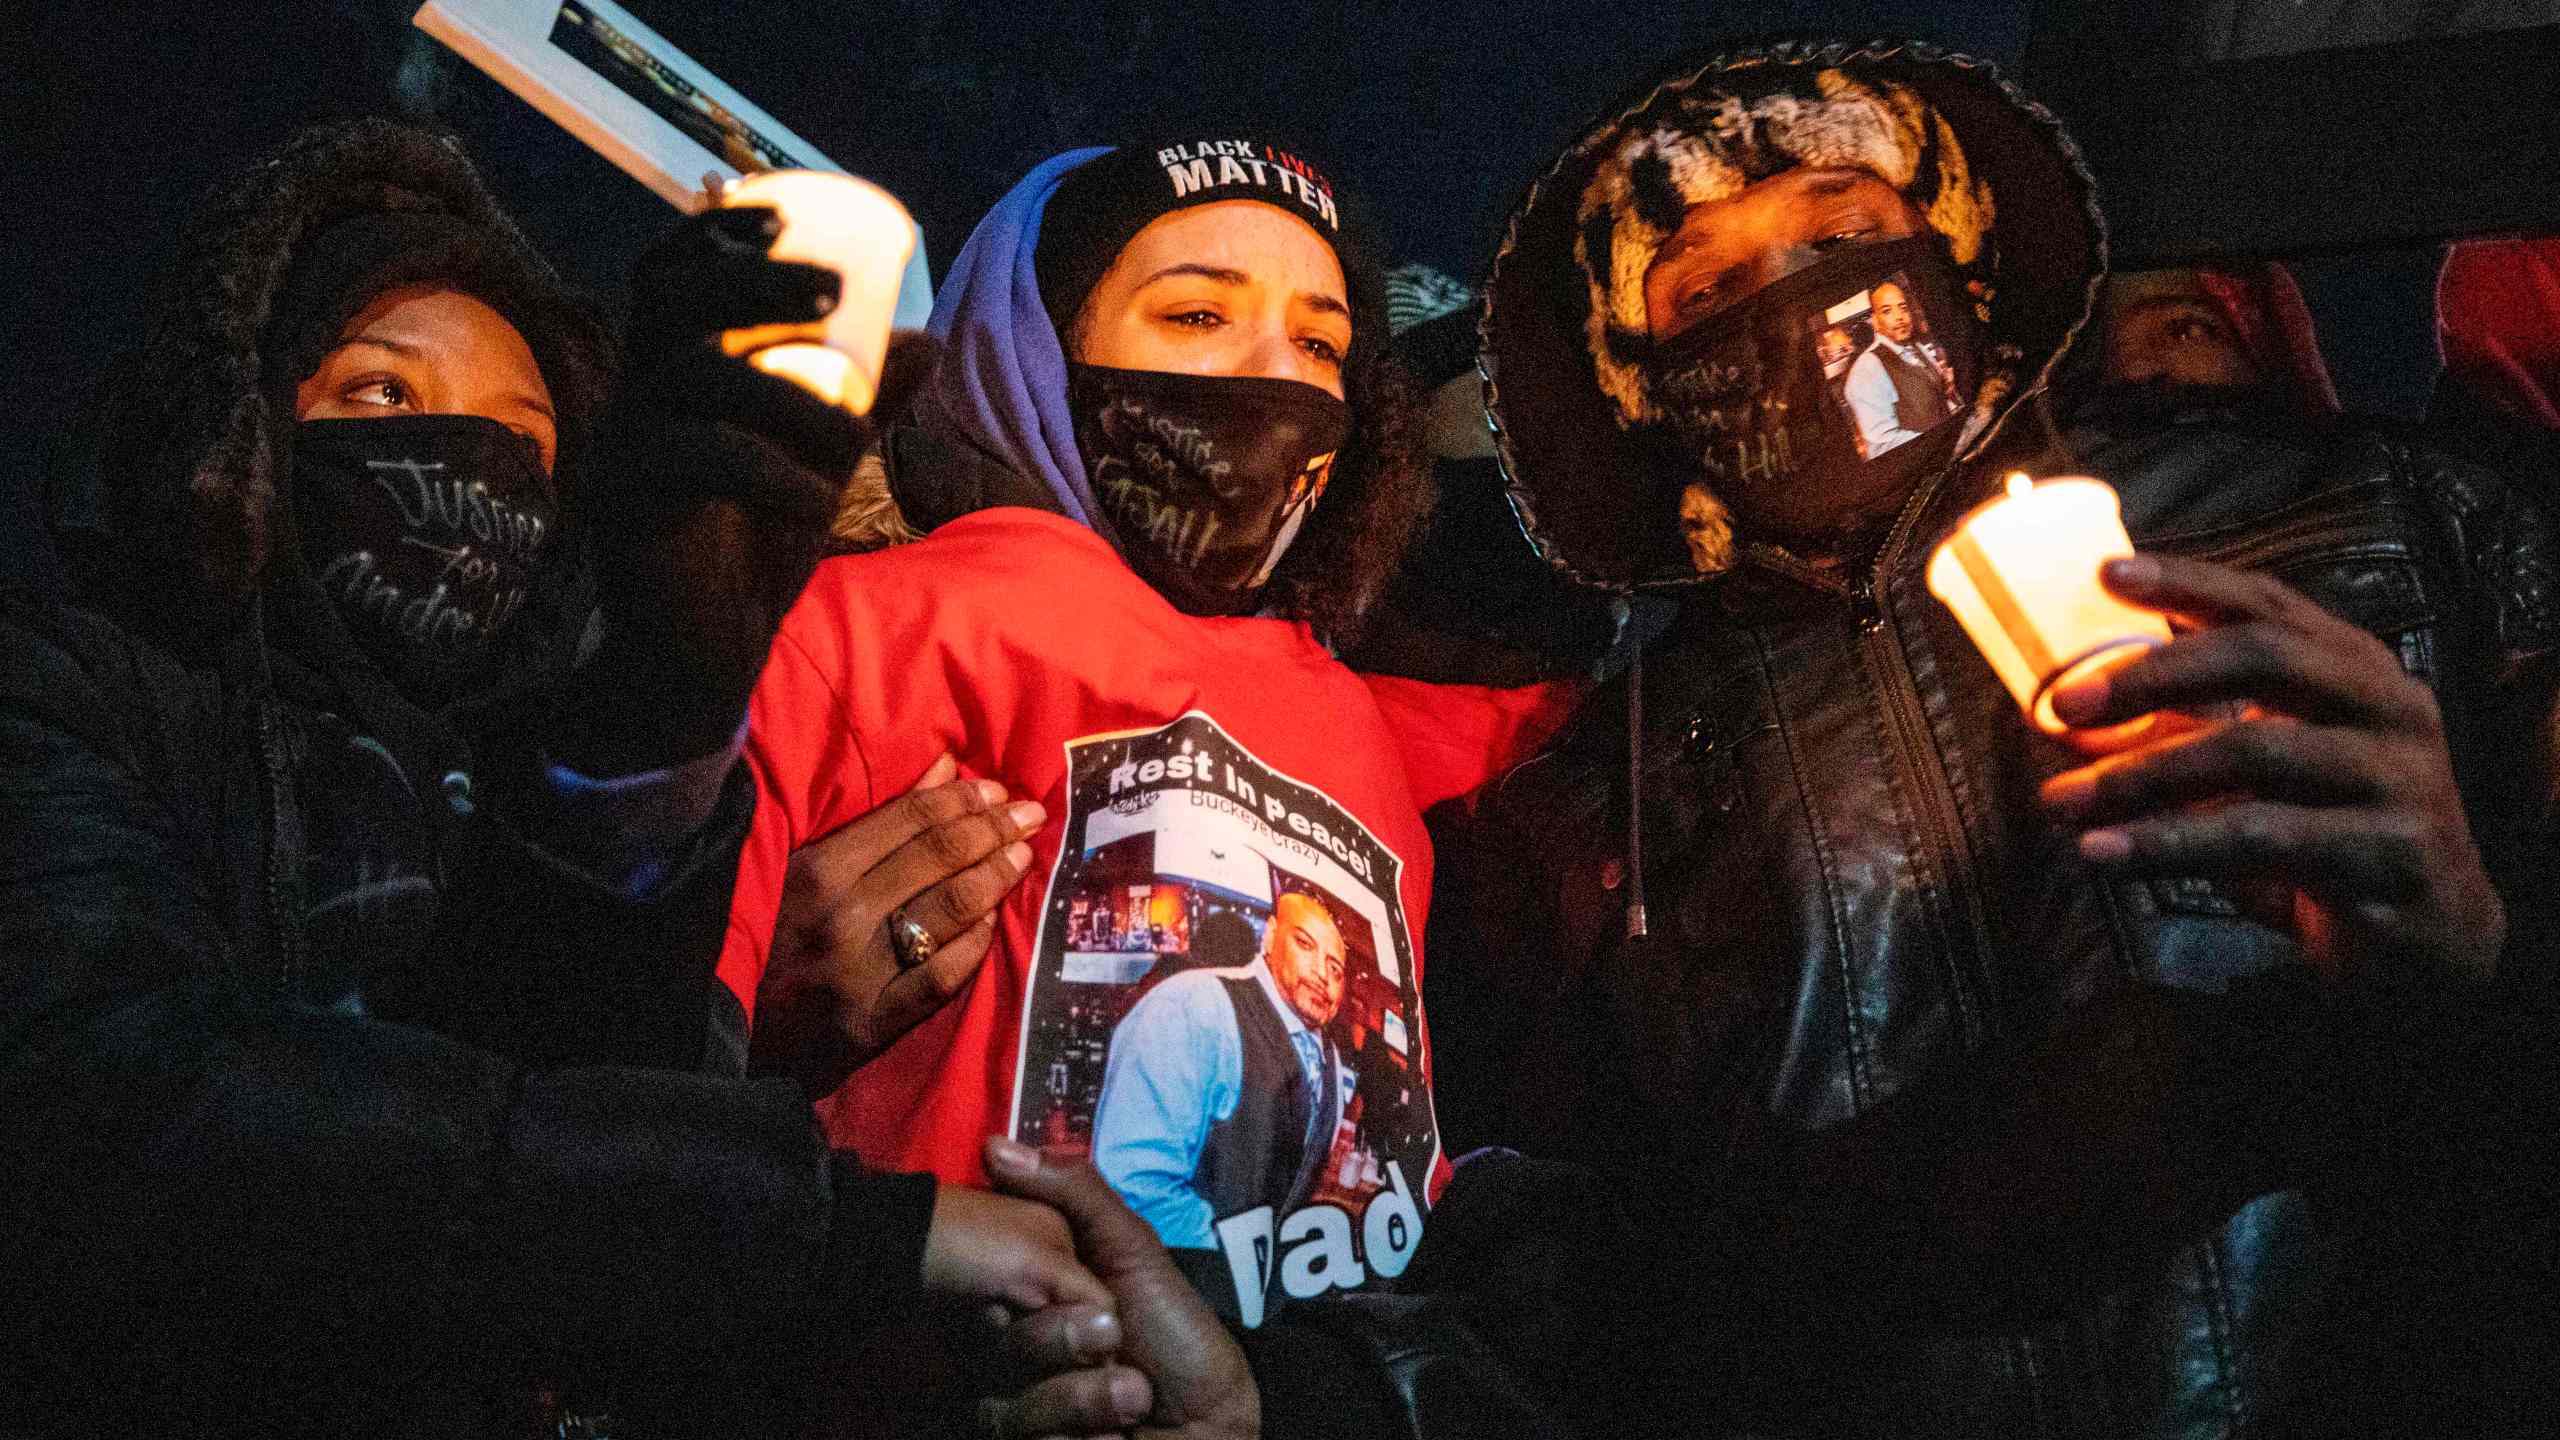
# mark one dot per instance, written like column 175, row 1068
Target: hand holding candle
column 2314, row 761
column 860, row 232
column 2310, row 759
column 712, row 496
column 2021, row 573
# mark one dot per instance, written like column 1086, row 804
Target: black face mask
column 426, row 533
column 2140, row 403
column 1207, row 478
column 1742, row 400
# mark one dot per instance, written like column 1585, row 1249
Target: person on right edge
column 2498, row 327
column 2148, row 1025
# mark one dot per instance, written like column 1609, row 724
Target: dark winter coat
column 392, row 1183
column 1855, row 899
column 345, row 1086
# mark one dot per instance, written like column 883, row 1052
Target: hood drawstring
column 1635, row 797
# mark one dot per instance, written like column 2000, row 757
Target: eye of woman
column 387, row 391
column 1195, row 317
column 1323, row 348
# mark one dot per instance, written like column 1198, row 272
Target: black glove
column 712, row 502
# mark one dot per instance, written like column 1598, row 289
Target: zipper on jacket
column 285, row 934
column 1907, row 727
column 1786, row 566
column 1907, row 732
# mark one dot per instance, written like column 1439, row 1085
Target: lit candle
column 2021, row 572
column 862, row 233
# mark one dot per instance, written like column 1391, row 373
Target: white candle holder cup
column 865, row 236
column 2021, row 575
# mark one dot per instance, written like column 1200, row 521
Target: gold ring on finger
column 909, row 943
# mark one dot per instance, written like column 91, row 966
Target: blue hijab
column 1001, row 387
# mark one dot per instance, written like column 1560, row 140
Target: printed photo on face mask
column 1887, row 374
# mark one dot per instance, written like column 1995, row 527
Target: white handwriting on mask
column 484, row 547
column 1143, row 503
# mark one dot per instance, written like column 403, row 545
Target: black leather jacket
column 1853, row 894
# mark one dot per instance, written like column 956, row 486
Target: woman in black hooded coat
column 361, row 1068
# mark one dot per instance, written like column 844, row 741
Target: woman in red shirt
column 1164, row 472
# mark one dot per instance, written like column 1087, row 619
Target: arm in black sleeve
column 2523, row 850
column 1520, row 1316
column 2501, row 683
column 2026, row 1178
column 554, row 957
column 1391, row 1367
column 1977, row 1200
column 213, row 1194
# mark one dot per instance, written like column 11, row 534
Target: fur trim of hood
column 1991, row 173
column 1694, row 146
column 190, row 443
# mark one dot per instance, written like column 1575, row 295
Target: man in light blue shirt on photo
column 1223, row 1090
column 1895, row 390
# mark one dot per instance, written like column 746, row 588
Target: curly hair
column 868, row 516
column 1382, row 491
column 192, row 432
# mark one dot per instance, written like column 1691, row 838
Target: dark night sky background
column 1438, row 116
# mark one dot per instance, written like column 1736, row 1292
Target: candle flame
column 2019, row 484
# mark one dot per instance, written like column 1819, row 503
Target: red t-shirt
column 1195, row 771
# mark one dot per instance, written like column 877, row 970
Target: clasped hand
column 1181, row 1376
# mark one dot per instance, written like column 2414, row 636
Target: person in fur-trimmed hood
column 1804, row 873
column 361, row 1064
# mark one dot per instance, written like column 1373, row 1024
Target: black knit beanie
column 1102, row 204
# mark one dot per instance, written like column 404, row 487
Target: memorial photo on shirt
column 1882, row 368
column 1223, row 1015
